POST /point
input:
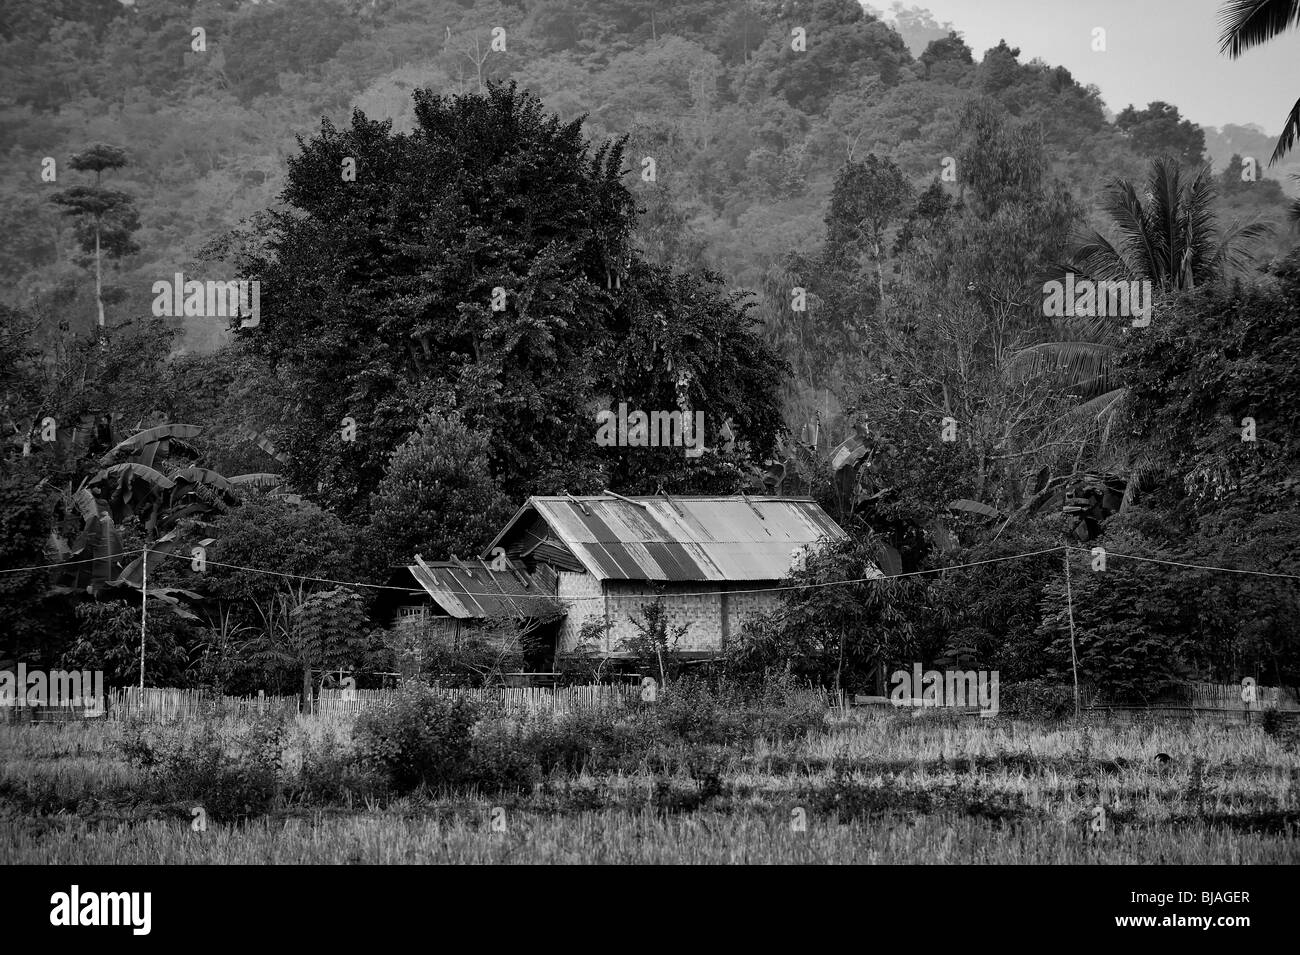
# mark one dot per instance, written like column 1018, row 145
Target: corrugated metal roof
column 473, row 590
column 683, row 538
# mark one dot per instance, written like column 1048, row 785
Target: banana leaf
column 106, row 549
column 58, row 546
column 262, row 480
column 197, row 475
column 130, row 469
column 263, row 442
column 891, row 562
column 86, row 504
column 972, row 507
column 142, row 439
column 132, row 574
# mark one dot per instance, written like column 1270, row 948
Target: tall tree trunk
column 880, row 276
column 99, row 281
column 839, row 667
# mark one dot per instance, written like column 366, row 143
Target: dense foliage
column 465, row 250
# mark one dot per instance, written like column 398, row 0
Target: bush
column 595, row 739
column 698, row 713
column 330, row 774
column 501, row 759
column 691, row 711
column 230, row 781
column 562, row 743
column 419, row 738
column 1036, row 700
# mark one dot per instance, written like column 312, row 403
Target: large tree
column 106, row 218
column 1161, row 130
column 482, row 263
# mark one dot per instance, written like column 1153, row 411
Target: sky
column 1155, row 50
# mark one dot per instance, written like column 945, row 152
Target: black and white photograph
column 651, row 432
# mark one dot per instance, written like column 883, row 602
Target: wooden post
column 144, row 597
column 1069, row 609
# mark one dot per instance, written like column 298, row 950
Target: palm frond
column 1104, row 410
column 1096, row 258
column 1103, row 406
column 1244, row 24
column 1133, row 221
column 1196, row 247
column 1142, row 468
column 1290, row 130
column 1164, row 211
column 1083, row 366
column 1230, row 256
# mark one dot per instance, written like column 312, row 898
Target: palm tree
column 1166, row 235
column 1249, row 23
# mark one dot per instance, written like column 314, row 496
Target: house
column 713, row 559
column 454, row 599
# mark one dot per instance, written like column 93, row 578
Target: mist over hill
column 746, row 137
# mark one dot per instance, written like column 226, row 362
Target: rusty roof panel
column 485, row 593
column 685, row 538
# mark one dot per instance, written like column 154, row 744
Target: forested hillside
column 746, row 136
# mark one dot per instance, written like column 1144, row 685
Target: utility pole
column 1069, row 609
column 144, row 611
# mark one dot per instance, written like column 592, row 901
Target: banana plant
column 136, row 481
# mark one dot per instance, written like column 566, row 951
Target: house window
column 411, row 616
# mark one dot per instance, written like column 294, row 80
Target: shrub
column 230, row 781
column 654, row 645
column 1036, row 700
column 501, row 759
column 418, row 738
column 686, row 710
column 562, row 743
column 331, row 774
column 595, row 739
column 697, row 713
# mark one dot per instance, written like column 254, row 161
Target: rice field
column 868, row 788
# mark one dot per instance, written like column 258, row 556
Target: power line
column 277, row 573
column 67, row 563
column 703, row 593
column 1179, row 563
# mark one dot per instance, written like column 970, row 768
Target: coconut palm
column 1166, row 234
column 1244, row 24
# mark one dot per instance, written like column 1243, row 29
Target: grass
column 882, row 787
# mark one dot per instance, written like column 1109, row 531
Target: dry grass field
column 870, row 788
